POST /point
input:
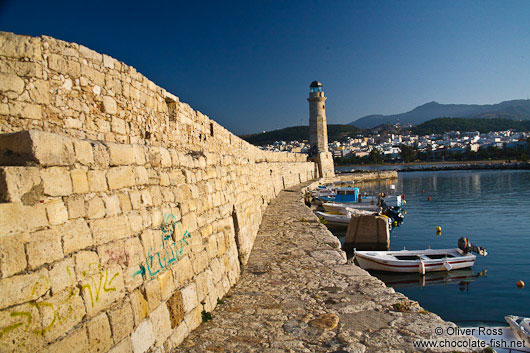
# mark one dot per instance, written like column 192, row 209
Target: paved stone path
column 299, row 294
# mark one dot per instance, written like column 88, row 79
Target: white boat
column 520, row 327
column 419, row 261
column 342, row 207
column 342, row 219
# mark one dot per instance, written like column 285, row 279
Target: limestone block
column 161, row 324
column 193, row 318
column 139, row 154
column 57, row 63
column 56, row 211
column 21, row 336
column 99, row 334
column 200, row 262
column 90, row 54
column 182, row 271
column 136, row 199
column 56, row 181
column 92, row 75
column 112, row 205
column 141, row 176
column 76, row 236
column 153, row 294
column 44, row 247
column 189, row 297
column 25, row 110
column 11, row 83
column 95, row 208
column 76, row 206
column 135, row 222
column 121, row 154
column 109, row 105
column 75, row 342
column 17, row 46
column 83, row 152
column 23, row 288
column 18, row 183
column 167, row 284
column 12, row 255
column 118, row 126
column 109, row 229
column 44, row 148
column 102, row 289
column 120, row 177
column 143, row 337
column 125, row 346
column 101, row 155
column 15, row 217
column 108, row 61
column 60, row 313
column 79, row 181
column 62, row 275
column 139, row 306
column 125, row 202
column 86, row 264
column 121, row 320
column 97, row 181
column 179, row 334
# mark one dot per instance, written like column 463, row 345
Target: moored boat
column 520, row 327
column 420, row 261
column 343, row 219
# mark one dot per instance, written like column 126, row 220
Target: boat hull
column 369, row 260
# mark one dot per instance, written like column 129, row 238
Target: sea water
column 492, row 209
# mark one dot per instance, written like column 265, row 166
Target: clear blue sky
column 248, row 64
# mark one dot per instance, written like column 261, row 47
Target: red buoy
column 428, row 198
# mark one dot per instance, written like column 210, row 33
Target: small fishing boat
column 341, row 207
column 420, row 261
column 520, row 327
column 343, row 219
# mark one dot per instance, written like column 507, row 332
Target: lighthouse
column 318, row 130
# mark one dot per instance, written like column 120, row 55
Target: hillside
column 300, row 133
column 514, row 109
column 441, row 125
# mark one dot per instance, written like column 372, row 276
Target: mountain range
column 514, row 109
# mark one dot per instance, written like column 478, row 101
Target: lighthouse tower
column 318, row 130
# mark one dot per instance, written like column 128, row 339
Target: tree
column 408, row 153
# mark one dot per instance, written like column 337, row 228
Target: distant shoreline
column 440, row 166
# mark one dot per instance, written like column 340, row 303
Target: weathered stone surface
column 44, row 247
column 20, row 183
column 143, row 337
column 99, row 334
column 47, row 149
column 121, row 320
column 12, row 255
column 23, row 288
column 120, row 177
column 56, row 181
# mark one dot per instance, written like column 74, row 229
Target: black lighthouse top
column 315, row 86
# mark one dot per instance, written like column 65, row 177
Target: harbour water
column 492, row 209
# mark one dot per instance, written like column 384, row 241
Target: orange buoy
column 520, row 284
column 423, row 191
column 428, row 198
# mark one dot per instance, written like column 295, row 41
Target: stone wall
column 124, row 213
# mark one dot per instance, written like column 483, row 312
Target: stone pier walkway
column 299, row 294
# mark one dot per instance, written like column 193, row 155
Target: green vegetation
column 300, row 133
column 441, row 125
column 206, row 316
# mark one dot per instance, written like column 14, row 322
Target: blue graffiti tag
column 170, row 249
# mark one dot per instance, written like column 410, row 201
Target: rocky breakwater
column 298, row 293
